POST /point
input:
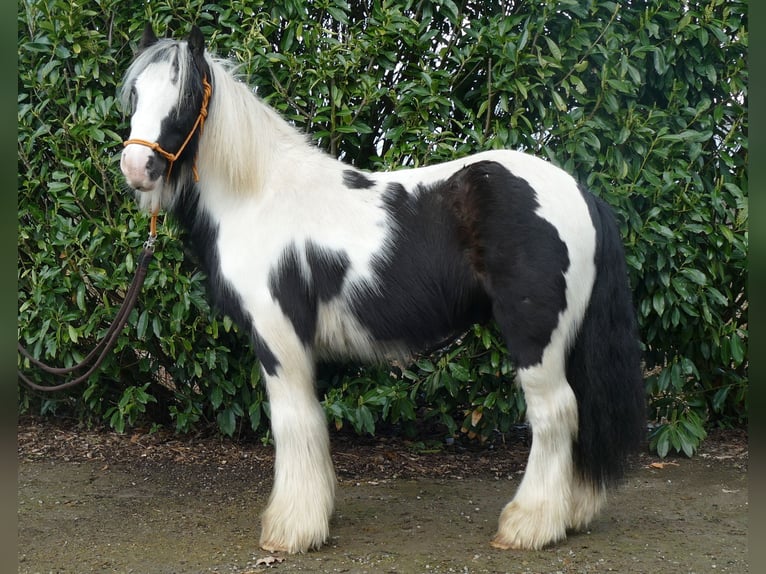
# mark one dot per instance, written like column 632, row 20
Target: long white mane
column 242, row 134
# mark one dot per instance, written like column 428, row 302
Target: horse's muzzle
column 142, row 167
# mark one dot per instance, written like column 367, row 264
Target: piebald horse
column 316, row 259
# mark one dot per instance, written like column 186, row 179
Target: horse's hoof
column 529, row 527
column 273, row 547
column 500, row 544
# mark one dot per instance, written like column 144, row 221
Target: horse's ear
column 196, row 44
column 147, row 38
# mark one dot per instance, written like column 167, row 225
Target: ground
column 155, row 503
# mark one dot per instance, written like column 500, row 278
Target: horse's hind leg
column 539, row 513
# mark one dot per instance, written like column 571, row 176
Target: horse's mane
column 241, row 134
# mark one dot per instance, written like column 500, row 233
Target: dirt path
column 151, row 504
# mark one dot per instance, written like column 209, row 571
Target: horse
column 317, row 260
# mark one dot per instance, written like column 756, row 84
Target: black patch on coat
column 356, row 179
column 519, row 255
column 299, row 293
column 461, row 251
column 289, row 285
column 425, row 290
column 396, row 200
column 328, row 271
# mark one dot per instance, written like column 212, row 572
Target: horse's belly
column 341, row 335
column 368, row 324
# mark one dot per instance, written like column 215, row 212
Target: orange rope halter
column 200, row 122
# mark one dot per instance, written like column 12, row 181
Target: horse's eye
column 133, row 98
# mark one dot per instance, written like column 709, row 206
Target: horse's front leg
column 297, row 517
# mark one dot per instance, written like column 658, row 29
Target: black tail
column 604, row 366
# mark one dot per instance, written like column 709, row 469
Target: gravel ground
column 96, row 501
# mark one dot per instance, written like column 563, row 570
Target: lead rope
column 101, row 349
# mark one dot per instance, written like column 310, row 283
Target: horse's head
column 165, row 90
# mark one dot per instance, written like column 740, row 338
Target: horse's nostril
column 155, row 166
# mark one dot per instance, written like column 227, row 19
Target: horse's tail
column 604, row 365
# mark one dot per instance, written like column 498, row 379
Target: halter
column 207, row 90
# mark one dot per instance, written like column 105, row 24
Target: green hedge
column 645, row 102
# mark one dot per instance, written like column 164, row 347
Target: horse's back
column 557, row 196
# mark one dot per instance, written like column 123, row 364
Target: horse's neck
column 244, row 139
